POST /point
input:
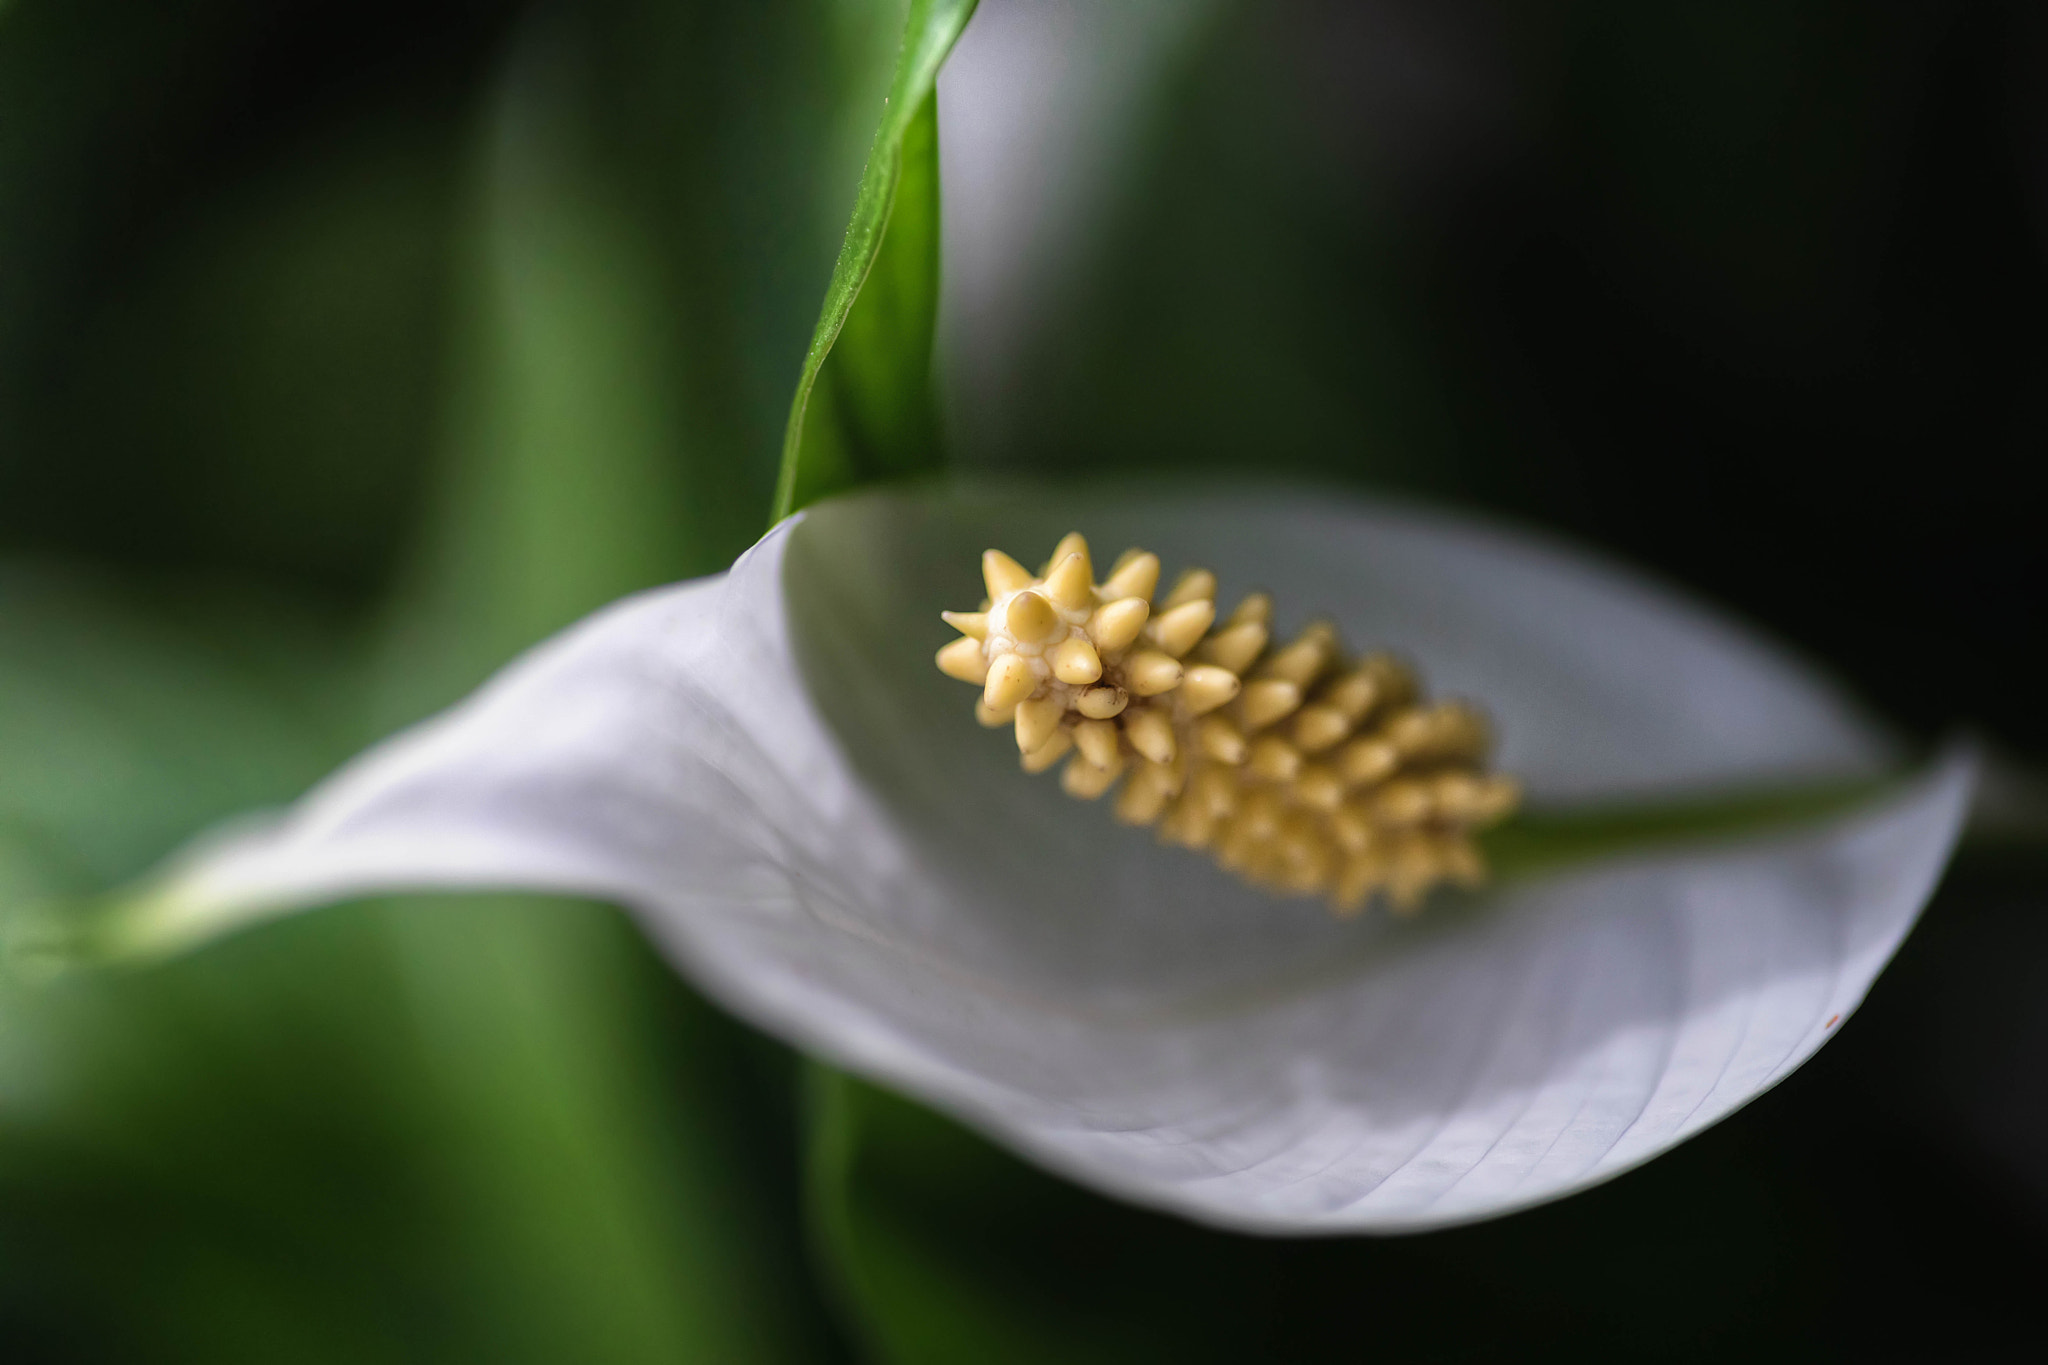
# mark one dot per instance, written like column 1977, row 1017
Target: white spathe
column 767, row 769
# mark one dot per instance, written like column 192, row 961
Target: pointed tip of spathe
column 150, row 922
column 44, row 941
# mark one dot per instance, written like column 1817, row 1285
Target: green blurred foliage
column 464, row 372
column 237, row 255
column 223, row 281
column 129, row 716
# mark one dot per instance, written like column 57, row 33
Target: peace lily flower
column 766, row 768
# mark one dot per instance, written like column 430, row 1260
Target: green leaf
column 863, row 406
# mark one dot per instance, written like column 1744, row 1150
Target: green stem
column 1539, row 841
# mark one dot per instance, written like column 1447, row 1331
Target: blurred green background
column 346, row 350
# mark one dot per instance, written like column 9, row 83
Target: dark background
column 1754, row 294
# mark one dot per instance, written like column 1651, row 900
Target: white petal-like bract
column 768, row 770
